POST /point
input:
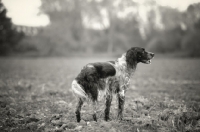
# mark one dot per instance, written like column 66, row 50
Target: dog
column 109, row 78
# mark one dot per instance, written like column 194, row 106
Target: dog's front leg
column 108, row 104
column 121, row 101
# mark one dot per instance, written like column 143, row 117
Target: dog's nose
column 152, row 54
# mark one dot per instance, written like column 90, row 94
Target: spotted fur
column 103, row 79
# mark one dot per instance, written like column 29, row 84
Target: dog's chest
column 122, row 73
column 120, row 80
column 117, row 83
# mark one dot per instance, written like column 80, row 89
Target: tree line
column 9, row 37
column 82, row 26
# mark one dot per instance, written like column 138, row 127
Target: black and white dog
column 106, row 78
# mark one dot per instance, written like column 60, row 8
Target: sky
column 26, row 12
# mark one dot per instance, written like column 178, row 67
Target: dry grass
column 36, row 96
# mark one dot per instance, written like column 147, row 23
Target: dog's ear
column 131, row 58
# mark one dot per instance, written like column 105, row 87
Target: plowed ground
column 35, row 95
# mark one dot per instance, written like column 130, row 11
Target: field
column 36, row 96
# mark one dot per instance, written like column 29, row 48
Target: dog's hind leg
column 78, row 109
column 94, row 105
column 121, row 100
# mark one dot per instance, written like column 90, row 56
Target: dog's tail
column 78, row 90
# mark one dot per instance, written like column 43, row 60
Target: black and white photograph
column 99, row 65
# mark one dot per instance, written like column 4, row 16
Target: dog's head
column 144, row 56
column 136, row 55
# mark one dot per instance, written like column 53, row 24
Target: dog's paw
column 107, row 118
column 120, row 117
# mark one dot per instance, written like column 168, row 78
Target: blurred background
column 99, row 27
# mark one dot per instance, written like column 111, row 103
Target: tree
column 71, row 20
column 191, row 41
column 65, row 30
column 9, row 37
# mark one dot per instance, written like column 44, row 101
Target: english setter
column 110, row 78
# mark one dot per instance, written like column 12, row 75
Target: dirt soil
column 36, row 96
